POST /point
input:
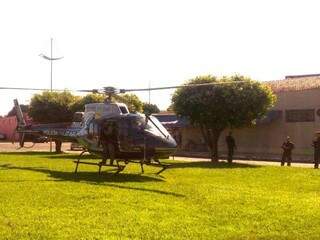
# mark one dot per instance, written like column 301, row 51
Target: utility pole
column 149, row 92
column 51, row 65
column 51, row 59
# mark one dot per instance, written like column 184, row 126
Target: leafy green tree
column 52, row 107
column 149, row 108
column 236, row 102
column 170, row 108
column 132, row 101
column 79, row 105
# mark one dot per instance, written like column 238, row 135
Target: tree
column 234, row 103
column 52, row 107
column 79, row 105
column 149, row 108
column 132, row 101
column 170, row 108
column 12, row 112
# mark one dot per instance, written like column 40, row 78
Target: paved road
column 9, row 147
column 252, row 162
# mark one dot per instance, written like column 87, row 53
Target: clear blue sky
column 128, row 44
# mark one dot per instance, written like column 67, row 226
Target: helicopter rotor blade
column 89, row 91
column 175, row 87
column 114, row 91
column 27, row 89
column 55, row 90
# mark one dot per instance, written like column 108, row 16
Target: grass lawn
column 41, row 198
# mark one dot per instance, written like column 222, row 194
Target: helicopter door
column 110, row 132
column 124, row 136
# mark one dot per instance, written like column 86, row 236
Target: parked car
column 76, row 147
column 2, row 136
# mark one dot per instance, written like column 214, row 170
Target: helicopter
column 138, row 138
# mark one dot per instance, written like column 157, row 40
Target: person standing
column 231, row 144
column 108, row 140
column 103, row 141
column 316, row 146
column 287, row 147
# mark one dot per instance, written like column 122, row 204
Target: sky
column 141, row 43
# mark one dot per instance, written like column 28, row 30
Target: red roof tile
column 294, row 84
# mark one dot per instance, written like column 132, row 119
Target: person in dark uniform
column 108, row 140
column 287, row 147
column 316, row 146
column 231, row 143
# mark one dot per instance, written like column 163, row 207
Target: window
column 300, row 115
column 93, row 131
column 123, row 110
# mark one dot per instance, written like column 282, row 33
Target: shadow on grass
column 106, row 178
column 74, row 156
column 206, row 164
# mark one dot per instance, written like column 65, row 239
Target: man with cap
column 316, row 146
column 287, row 147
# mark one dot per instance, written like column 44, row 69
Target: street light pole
column 51, row 59
column 51, row 66
column 149, row 92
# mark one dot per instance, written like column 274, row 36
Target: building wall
column 264, row 140
column 8, row 126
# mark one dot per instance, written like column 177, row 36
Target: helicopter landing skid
column 155, row 163
column 119, row 167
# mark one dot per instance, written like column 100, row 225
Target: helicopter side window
column 93, row 131
column 90, row 131
column 110, row 129
column 138, row 123
column 123, row 110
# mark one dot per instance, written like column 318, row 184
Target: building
column 295, row 114
column 8, row 126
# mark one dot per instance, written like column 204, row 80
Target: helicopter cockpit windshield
column 152, row 125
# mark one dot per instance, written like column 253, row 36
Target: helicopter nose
column 171, row 142
column 167, row 143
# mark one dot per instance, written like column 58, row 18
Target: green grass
column 41, row 198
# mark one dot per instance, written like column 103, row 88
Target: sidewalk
column 249, row 162
column 45, row 147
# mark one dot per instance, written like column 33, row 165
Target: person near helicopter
column 316, row 146
column 287, row 147
column 108, row 141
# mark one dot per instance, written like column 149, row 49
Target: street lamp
column 51, row 59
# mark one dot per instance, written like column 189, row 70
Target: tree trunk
column 211, row 138
column 58, row 144
column 215, row 151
